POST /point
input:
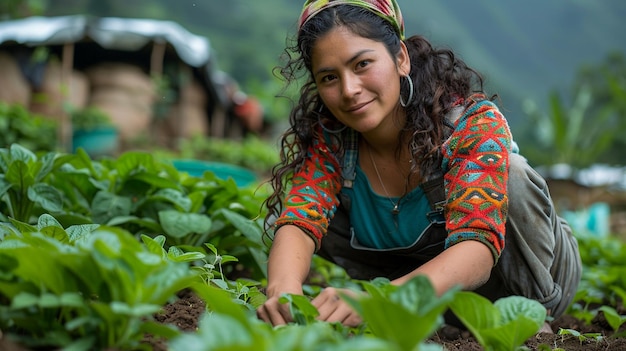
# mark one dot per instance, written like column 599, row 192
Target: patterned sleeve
column 313, row 197
column 476, row 161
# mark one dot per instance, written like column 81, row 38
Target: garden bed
column 185, row 312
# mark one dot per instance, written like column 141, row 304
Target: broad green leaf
column 509, row 336
column 133, row 162
column 106, row 206
column 186, row 257
column 19, row 175
column 406, row 315
column 47, row 196
column 168, row 332
column 85, row 343
column 177, row 255
column 513, row 307
column 155, row 180
column 247, row 226
column 57, row 233
column 222, row 332
column 147, row 223
column 174, row 197
column 72, row 299
column 475, row 312
column 24, row 300
column 4, row 186
column 155, row 245
column 178, row 225
column 197, row 201
column 317, row 336
column 19, row 152
column 23, row 227
column 47, row 165
column 138, row 310
column 6, row 230
column 391, row 321
column 504, row 325
column 77, row 232
column 301, row 309
column 614, row 319
column 5, row 159
column 46, row 220
column 219, row 301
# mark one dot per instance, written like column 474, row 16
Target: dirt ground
column 184, row 313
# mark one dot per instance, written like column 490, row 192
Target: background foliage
column 529, row 52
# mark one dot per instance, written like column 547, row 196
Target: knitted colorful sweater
column 475, row 166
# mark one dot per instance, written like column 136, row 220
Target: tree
column 591, row 129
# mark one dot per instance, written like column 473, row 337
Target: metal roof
column 109, row 32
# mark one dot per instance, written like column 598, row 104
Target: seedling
column 582, row 337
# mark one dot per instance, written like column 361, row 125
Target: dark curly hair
column 440, row 79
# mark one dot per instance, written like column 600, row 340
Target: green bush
column 17, row 125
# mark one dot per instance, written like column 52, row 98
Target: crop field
column 129, row 253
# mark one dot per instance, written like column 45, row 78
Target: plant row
column 91, row 251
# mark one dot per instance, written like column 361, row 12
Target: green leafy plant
column 23, row 186
column 90, row 118
column 503, row 325
column 565, row 126
column 614, row 319
column 84, row 287
column 580, row 336
column 406, row 315
column 251, row 152
column 144, row 195
column 604, row 276
column 32, row 131
column 228, row 326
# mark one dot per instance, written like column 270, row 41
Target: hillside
column 524, row 49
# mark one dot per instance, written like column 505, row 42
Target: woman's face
column 357, row 79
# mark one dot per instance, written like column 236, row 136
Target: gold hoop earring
column 411, row 89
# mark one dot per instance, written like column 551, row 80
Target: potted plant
column 93, row 130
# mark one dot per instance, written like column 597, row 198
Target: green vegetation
column 588, row 130
column 34, row 132
column 128, row 234
column 90, row 118
column 251, row 152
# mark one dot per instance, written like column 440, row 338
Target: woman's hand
column 333, row 308
column 330, row 305
column 274, row 312
column 288, row 267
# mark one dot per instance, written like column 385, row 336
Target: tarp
column 128, row 34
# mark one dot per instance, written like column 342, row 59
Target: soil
column 184, row 314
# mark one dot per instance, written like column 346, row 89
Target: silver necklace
column 396, row 205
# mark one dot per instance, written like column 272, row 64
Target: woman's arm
column 467, row 264
column 289, row 260
column 476, row 164
column 288, row 267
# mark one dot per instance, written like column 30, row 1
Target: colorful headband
column 387, row 9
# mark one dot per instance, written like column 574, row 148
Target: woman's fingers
column 274, row 312
column 332, row 308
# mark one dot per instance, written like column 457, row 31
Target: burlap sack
column 14, row 89
column 50, row 98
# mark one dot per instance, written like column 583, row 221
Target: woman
column 396, row 164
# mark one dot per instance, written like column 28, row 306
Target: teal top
column 377, row 227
